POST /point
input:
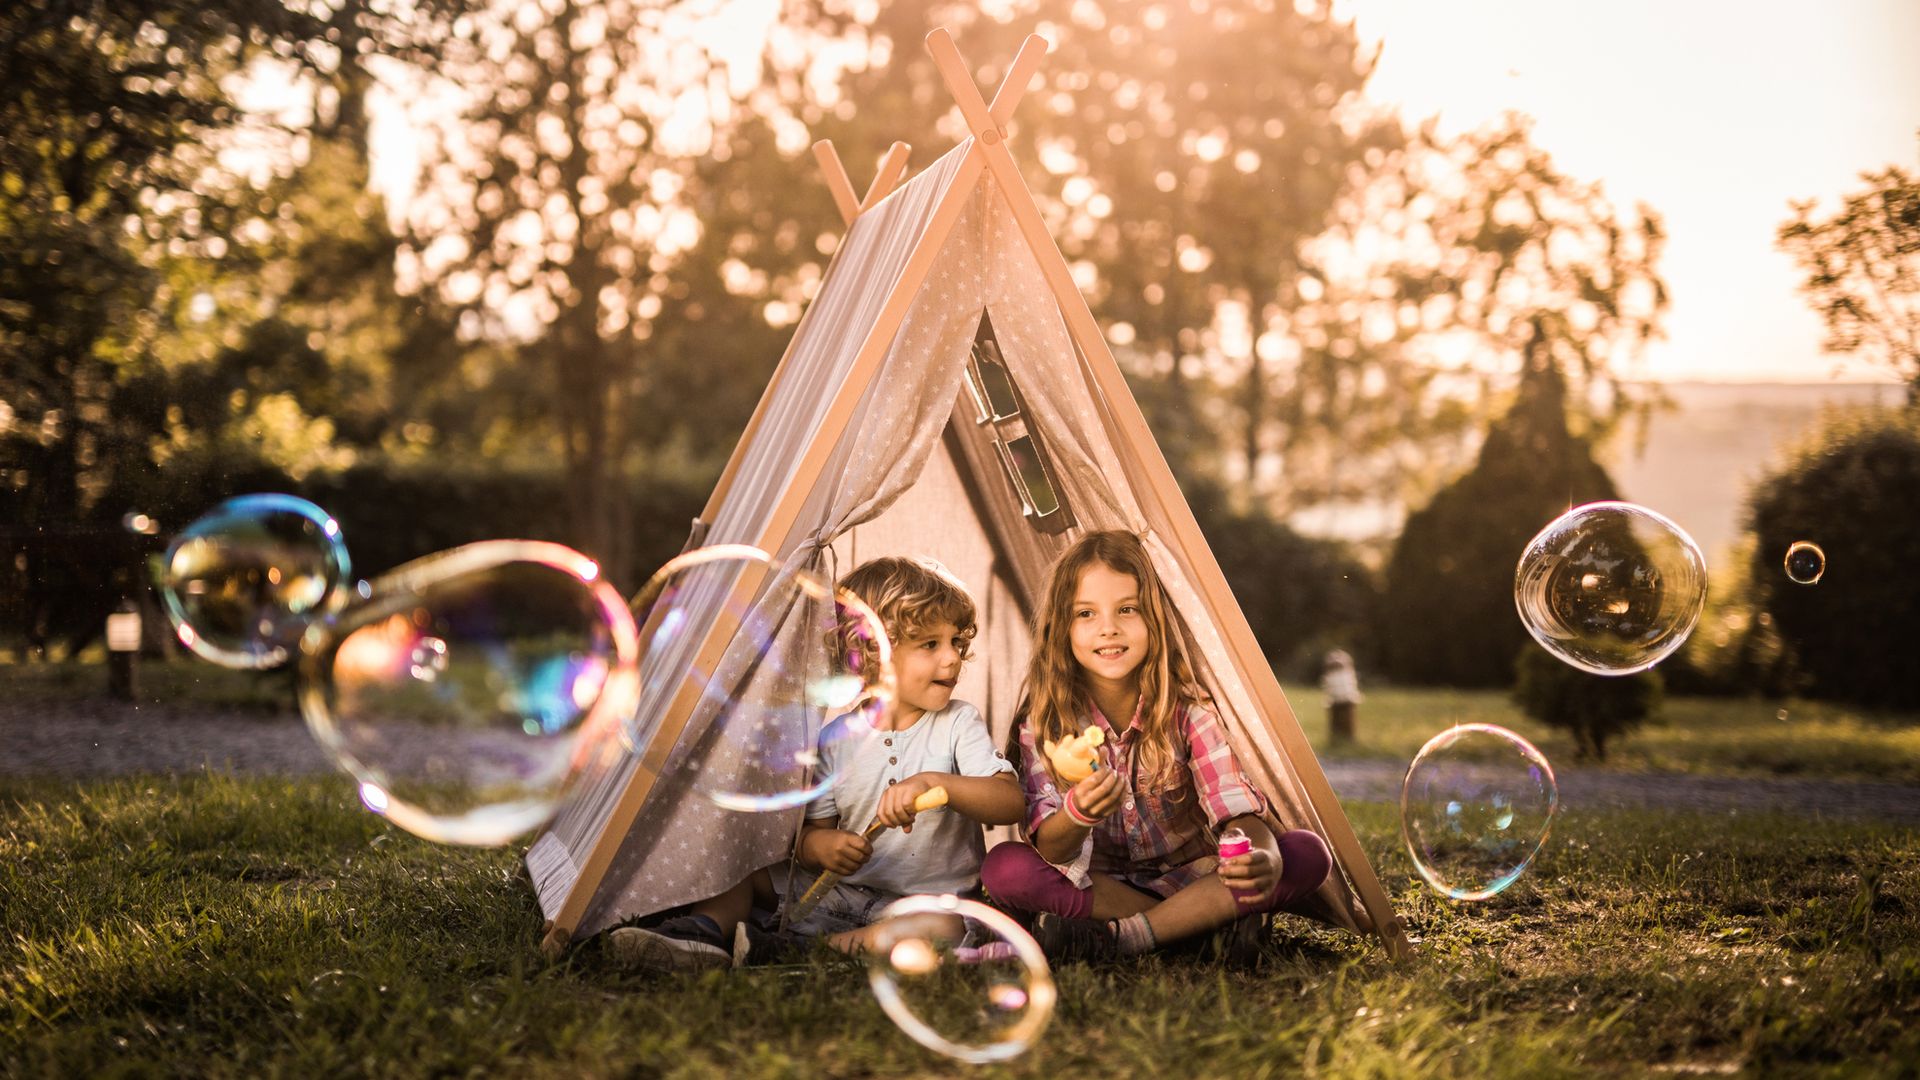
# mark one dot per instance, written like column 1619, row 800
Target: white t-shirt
column 943, row 852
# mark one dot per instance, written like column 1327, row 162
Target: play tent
column 948, row 393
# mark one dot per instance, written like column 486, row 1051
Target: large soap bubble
column 1475, row 807
column 1610, row 587
column 471, row 685
column 757, row 662
column 243, row 580
column 960, row 978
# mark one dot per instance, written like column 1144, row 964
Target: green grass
column 213, row 927
column 1723, row 736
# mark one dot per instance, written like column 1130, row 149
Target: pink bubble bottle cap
column 1234, row 843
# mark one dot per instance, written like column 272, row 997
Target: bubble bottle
column 1234, row 843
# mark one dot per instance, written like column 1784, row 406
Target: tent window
column 988, row 379
column 1033, row 476
column 996, row 400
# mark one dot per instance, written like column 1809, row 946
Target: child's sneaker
column 685, row 943
column 1247, row 938
column 1063, row 938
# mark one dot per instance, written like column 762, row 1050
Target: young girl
column 1125, row 860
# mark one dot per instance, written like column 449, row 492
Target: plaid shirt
column 1160, row 840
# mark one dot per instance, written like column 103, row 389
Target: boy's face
column 927, row 665
column 1106, row 627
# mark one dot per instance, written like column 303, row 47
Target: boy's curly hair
column 910, row 595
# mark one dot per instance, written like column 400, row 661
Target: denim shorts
column 844, row 907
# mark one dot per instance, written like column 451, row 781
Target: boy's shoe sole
column 1247, row 938
column 642, row 949
column 1063, row 938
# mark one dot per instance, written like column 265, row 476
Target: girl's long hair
column 1053, row 696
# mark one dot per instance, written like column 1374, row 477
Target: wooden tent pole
column 1020, row 74
column 1212, row 583
column 773, row 539
column 837, row 182
column 886, row 175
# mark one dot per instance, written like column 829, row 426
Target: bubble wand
column 932, row 799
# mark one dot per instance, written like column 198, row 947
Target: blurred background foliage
column 559, row 325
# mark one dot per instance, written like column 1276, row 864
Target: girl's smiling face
column 927, row 665
column 1107, row 629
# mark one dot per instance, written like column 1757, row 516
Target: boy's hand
column 896, row 803
column 1256, row 872
column 842, row 852
column 1098, row 796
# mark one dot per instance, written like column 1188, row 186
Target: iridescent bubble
column 1805, row 562
column 1610, row 587
column 775, row 671
column 1475, row 807
column 960, row 978
column 464, row 694
column 243, row 580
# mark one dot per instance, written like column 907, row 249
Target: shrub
column 1595, row 708
column 1299, row 593
column 1735, row 650
column 1448, row 614
column 61, row 585
column 1853, row 488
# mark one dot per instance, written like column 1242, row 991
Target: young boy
column 927, row 740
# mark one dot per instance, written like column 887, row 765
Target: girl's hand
column 1256, row 872
column 1098, row 796
column 896, row 803
column 841, row 852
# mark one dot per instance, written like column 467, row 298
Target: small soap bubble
column 1610, row 587
column 1806, row 562
column 241, row 583
column 960, row 978
column 472, row 687
column 1475, row 807
column 429, row 658
column 784, row 675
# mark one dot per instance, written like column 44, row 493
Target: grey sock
column 1135, row 934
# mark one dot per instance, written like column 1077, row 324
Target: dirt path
column 95, row 738
column 1379, row 781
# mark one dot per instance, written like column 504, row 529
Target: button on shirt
column 1157, row 837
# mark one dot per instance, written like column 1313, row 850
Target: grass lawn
column 1738, row 736
column 213, row 927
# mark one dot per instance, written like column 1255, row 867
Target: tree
column 1300, row 594
column 1592, row 708
column 1314, row 304
column 577, row 212
column 1850, row 488
column 1863, row 270
column 1448, row 612
column 1451, row 266
column 1184, row 156
column 107, row 172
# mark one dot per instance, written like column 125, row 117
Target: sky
column 1716, row 113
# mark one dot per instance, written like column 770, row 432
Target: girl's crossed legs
column 1017, row 877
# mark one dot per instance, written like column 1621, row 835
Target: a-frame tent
column 878, row 434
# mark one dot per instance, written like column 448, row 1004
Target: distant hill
column 1696, row 464
column 1701, row 458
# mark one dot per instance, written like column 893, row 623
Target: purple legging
column 1017, row 877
